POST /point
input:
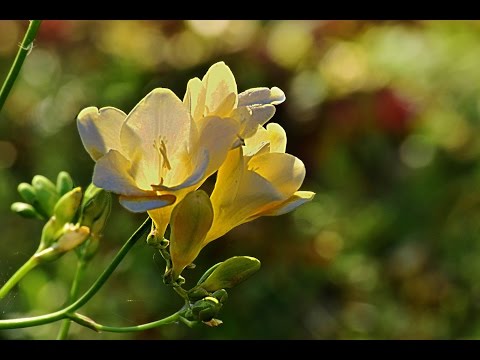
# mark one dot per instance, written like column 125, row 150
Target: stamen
column 163, row 151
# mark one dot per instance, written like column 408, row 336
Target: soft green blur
column 385, row 116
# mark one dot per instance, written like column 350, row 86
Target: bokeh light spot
column 416, row 151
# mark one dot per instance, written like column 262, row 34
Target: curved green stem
column 22, row 53
column 63, row 313
column 87, row 322
column 81, row 265
column 24, row 269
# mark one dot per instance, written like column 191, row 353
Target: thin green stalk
column 84, row 321
column 81, row 266
column 22, row 53
column 63, row 313
column 24, row 269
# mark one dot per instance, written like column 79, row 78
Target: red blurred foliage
column 55, row 31
column 393, row 113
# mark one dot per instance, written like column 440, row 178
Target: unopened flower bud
column 67, row 206
column 64, row 183
column 50, row 233
column 46, row 194
column 95, row 208
column 90, row 247
column 158, row 242
column 206, row 309
column 221, row 295
column 231, row 272
column 197, row 293
column 25, row 210
column 27, row 192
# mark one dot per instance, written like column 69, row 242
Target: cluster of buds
column 209, row 295
column 73, row 218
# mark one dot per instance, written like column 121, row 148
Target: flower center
column 164, row 163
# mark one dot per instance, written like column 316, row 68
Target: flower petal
column 217, row 136
column 228, row 178
column 277, row 137
column 140, row 204
column 253, row 194
column 284, row 171
column 196, row 175
column 219, row 83
column 194, row 98
column 271, row 139
column 100, row 129
column 297, row 199
column 159, row 117
column 261, row 96
column 250, row 117
column 191, row 219
column 112, row 173
column 240, row 193
column 161, row 218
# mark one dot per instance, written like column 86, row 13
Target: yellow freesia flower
column 216, row 95
column 156, row 154
column 258, row 179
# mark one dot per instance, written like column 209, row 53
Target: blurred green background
column 385, row 116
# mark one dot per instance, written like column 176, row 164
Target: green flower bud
column 221, row 295
column 156, row 241
column 206, row 309
column 90, row 247
column 231, row 272
column 50, row 233
column 64, row 183
column 67, row 206
column 95, row 208
column 47, row 195
column 25, row 210
column 197, row 293
column 207, row 273
column 27, row 192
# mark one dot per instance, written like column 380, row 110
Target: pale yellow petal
column 238, row 194
column 194, row 98
column 140, row 204
column 228, row 180
column 216, row 137
column 161, row 218
column 100, row 129
column 219, row 83
column 159, row 117
column 112, row 173
column 284, row 171
column 261, row 96
column 250, row 117
column 297, row 199
column 277, row 137
column 258, row 143
column 253, row 194
column 190, row 221
column 226, row 106
column 195, row 176
column 271, row 139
